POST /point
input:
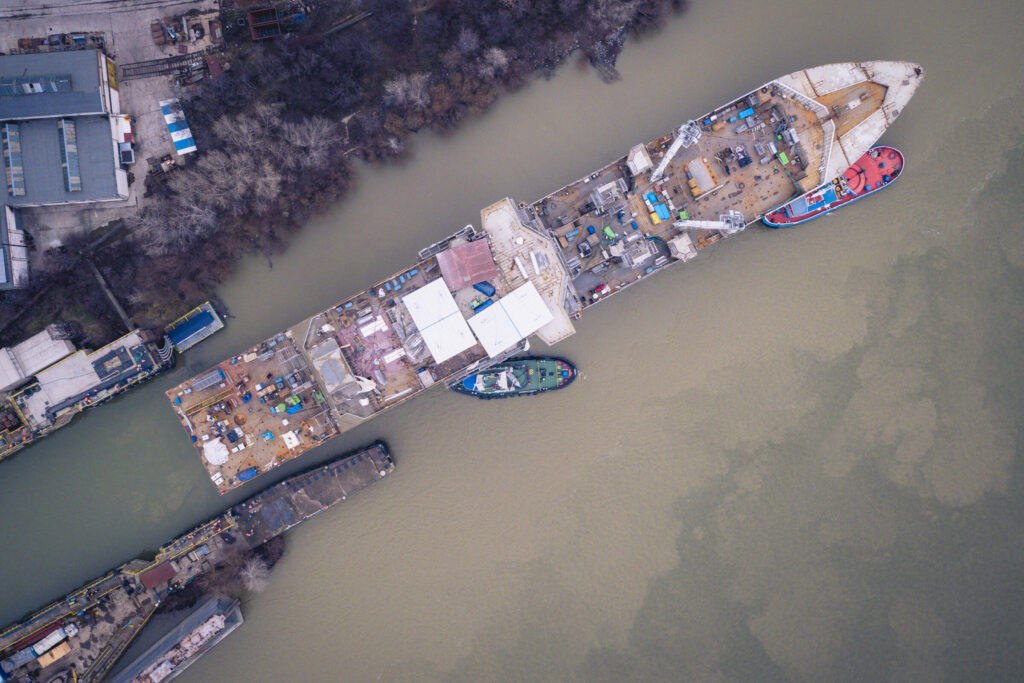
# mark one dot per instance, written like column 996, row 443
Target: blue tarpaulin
column 662, row 211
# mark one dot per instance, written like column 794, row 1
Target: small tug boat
column 521, row 376
column 878, row 168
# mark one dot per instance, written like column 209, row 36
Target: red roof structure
column 159, row 574
column 35, row 637
column 467, row 264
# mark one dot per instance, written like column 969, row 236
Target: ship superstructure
column 545, row 262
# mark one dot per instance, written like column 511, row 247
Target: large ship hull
column 660, row 204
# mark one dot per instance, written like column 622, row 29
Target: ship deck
column 592, row 220
column 322, row 376
column 660, row 204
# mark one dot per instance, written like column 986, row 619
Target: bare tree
column 419, row 90
column 254, row 574
column 266, row 183
column 493, row 62
column 468, row 41
column 314, row 139
column 396, row 91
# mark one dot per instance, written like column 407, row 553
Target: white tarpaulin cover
column 513, row 317
column 439, row 320
column 215, row 452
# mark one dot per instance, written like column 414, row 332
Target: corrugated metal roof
column 6, row 276
column 189, row 327
column 41, row 161
column 516, row 316
column 82, row 98
column 13, row 252
column 158, row 575
column 439, row 320
column 40, row 351
column 467, row 264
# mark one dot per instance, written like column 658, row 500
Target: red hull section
column 872, row 172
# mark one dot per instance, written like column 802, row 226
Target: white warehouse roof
column 439, row 320
column 513, row 317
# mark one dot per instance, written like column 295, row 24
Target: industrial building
column 63, row 139
column 20, row 363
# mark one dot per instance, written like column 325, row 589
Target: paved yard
column 126, row 28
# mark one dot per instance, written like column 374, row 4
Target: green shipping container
column 783, row 158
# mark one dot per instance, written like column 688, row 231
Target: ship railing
column 807, row 102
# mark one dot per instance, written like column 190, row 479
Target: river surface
column 797, row 457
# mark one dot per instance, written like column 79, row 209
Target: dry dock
column 89, row 629
column 474, row 298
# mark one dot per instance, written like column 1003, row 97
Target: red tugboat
column 878, row 168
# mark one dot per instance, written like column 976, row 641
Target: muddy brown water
column 797, row 457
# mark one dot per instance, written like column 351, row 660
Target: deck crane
column 688, row 134
column 729, row 223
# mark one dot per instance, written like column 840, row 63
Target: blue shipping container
column 746, row 112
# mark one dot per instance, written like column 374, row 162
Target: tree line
column 276, row 133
